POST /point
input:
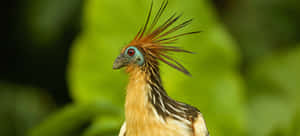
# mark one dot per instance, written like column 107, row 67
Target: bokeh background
column 56, row 76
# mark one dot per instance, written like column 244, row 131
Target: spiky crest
column 155, row 41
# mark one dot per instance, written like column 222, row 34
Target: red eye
column 131, row 52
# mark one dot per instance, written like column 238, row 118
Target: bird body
column 142, row 118
column 149, row 111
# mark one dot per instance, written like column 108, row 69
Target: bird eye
column 131, row 52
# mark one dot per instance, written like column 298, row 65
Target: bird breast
column 142, row 118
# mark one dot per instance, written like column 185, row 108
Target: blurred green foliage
column 46, row 19
column 274, row 94
column 246, row 83
column 22, row 108
column 105, row 32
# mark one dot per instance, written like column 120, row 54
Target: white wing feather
column 200, row 126
column 123, row 130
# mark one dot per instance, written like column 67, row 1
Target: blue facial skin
column 137, row 58
column 125, row 59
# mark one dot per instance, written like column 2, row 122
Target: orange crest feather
column 154, row 41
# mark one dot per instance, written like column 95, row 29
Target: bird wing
column 123, row 130
column 199, row 126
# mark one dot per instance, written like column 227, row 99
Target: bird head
column 152, row 44
column 130, row 56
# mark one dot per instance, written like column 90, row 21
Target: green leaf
column 104, row 125
column 70, row 120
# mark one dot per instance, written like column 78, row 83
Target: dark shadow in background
column 25, row 63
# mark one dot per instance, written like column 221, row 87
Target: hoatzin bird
column 149, row 111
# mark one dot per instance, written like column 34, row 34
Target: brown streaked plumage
column 149, row 111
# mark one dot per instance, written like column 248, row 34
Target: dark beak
column 120, row 62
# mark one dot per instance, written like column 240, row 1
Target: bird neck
column 145, row 95
column 143, row 88
column 137, row 106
